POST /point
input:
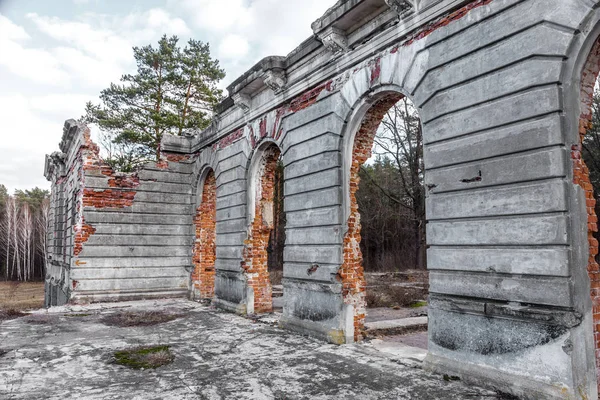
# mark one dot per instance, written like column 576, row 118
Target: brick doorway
column 263, row 249
column 376, row 273
column 587, row 148
column 204, row 253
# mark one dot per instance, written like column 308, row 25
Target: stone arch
column 204, row 249
column 357, row 144
column 260, row 216
column 580, row 76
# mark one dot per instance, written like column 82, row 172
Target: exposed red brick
column 120, row 195
column 309, row 98
column 204, row 254
column 229, row 139
column 443, row 21
column 162, row 164
column 581, row 177
column 375, row 70
column 127, row 181
column 108, row 198
column 262, row 125
column 255, row 257
column 351, row 272
column 299, row 103
column 175, row 157
column 82, row 234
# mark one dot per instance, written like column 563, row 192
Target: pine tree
column 174, row 91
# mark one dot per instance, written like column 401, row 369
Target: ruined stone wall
column 64, row 169
column 485, row 78
column 509, row 303
column 129, row 235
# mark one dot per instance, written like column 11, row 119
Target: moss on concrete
column 144, row 357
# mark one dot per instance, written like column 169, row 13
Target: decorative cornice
column 334, row 40
column 69, row 132
column 54, row 165
column 275, row 79
column 402, row 7
column 243, row 101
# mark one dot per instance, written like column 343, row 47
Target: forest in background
column 391, row 195
column 23, row 227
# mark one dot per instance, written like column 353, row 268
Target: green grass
column 144, row 357
column 417, row 304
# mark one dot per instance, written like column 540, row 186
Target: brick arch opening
column 352, row 271
column 263, row 248
column 204, row 252
column 581, row 177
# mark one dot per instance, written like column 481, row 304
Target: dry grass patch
column 395, row 296
column 21, row 295
column 144, row 357
column 397, row 289
column 139, row 318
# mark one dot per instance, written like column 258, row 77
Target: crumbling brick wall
column 204, row 254
column 255, row 262
column 126, row 235
column 121, row 194
column 351, row 271
column 581, row 177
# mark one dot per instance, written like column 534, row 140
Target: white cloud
column 97, row 50
column 81, row 57
column 37, row 65
column 26, row 138
column 218, row 15
column 101, row 43
column 63, row 62
column 268, row 27
column 12, row 31
column 65, row 105
column 142, row 27
column 162, row 21
column 233, row 46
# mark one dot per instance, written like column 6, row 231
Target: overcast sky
column 57, row 55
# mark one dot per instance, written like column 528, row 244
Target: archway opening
column 204, row 252
column 263, row 252
column 586, row 174
column 384, row 273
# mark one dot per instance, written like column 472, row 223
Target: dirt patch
column 7, row 314
column 276, row 277
column 397, row 289
column 395, row 296
column 400, row 332
column 139, row 318
column 144, row 357
column 21, row 295
column 42, row 319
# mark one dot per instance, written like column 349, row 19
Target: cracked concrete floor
column 65, row 354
